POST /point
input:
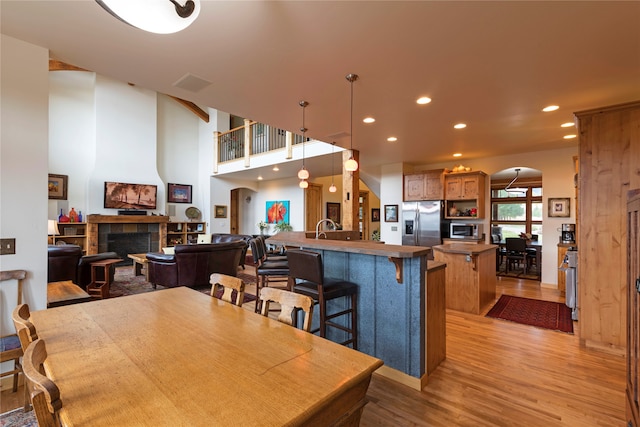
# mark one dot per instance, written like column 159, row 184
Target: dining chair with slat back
column 267, row 271
column 516, row 252
column 290, row 304
column 10, row 348
column 27, row 334
column 45, row 395
column 228, row 284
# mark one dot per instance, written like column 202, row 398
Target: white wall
column 391, row 185
column 24, row 93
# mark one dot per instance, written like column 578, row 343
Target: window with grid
column 517, row 212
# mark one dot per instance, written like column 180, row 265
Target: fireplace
column 128, row 243
column 101, row 227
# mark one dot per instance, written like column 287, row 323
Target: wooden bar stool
column 100, row 288
column 306, row 272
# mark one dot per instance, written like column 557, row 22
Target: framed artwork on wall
column 277, row 211
column 375, row 215
column 220, row 211
column 58, row 186
column 179, row 193
column 391, row 213
column 560, row 207
column 333, row 212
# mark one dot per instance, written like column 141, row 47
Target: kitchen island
column 401, row 301
column 471, row 275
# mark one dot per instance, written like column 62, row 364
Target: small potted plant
column 282, row 226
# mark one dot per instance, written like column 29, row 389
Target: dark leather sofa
column 191, row 265
column 224, row 237
column 66, row 262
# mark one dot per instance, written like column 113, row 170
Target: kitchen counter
column 471, row 275
column 401, row 302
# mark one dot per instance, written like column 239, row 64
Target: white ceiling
column 492, row 65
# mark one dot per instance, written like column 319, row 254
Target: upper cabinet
column 426, row 185
column 464, row 193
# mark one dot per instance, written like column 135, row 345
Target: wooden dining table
column 531, row 244
column 180, row 357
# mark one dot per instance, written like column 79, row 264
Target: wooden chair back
column 45, row 395
column 228, row 284
column 10, row 348
column 289, row 302
column 22, row 321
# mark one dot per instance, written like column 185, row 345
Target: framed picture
column 200, row 228
column 277, row 212
column 391, row 213
column 58, row 186
column 179, row 193
column 375, row 215
column 333, row 212
column 560, row 207
column 220, row 211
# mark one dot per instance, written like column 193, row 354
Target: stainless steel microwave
column 465, row 231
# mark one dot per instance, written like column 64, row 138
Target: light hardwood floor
column 499, row 373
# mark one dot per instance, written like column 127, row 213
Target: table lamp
column 52, row 229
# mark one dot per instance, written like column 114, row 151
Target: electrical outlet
column 7, row 246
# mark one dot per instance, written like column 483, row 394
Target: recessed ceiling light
column 457, row 154
column 569, row 136
column 460, row 126
column 369, row 120
column 276, row 168
column 423, row 100
column 568, row 125
column 259, row 177
column 550, row 108
column 392, row 139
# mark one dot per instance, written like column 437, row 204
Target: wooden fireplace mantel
column 94, row 220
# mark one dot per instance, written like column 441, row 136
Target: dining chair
column 10, row 349
column 516, row 252
column 306, row 272
column 228, row 285
column 45, row 395
column 290, row 304
column 267, row 271
column 27, row 334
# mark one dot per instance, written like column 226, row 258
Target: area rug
column 18, row 418
column 542, row 314
column 126, row 283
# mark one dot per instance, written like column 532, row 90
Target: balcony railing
column 257, row 137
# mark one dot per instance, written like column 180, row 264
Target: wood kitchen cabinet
column 633, row 308
column 464, row 194
column 426, row 185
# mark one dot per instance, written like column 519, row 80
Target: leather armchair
column 223, row 237
column 63, row 263
column 191, row 265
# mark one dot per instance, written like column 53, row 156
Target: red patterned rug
column 542, row 314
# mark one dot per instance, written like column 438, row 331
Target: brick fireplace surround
column 126, row 224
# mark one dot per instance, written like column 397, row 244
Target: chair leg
column 354, row 320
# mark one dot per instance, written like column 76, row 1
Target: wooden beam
column 193, row 108
column 55, row 65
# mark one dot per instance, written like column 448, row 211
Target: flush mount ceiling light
column 155, row 16
column 351, row 165
column 333, row 188
column 510, row 189
column 303, row 173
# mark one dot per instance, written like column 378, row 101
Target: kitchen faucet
column 318, row 232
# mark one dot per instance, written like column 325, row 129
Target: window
column 516, row 213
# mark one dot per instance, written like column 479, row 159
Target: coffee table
column 140, row 262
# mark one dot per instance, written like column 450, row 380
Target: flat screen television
column 120, row 195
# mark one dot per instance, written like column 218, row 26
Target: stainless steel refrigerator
column 423, row 223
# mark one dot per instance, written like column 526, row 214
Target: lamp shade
column 52, row 228
column 161, row 17
column 351, row 165
column 303, row 184
column 303, row 173
column 333, row 188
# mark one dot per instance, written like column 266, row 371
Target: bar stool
column 306, row 274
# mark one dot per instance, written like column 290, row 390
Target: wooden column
column 350, row 192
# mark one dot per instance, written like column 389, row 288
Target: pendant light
column 333, row 188
column 303, row 173
column 351, row 165
column 510, row 189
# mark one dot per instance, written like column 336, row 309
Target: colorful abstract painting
column 277, row 212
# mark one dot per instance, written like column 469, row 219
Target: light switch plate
column 7, row 246
column 394, row 228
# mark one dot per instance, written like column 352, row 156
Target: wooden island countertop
column 365, row 247
column 465, row 248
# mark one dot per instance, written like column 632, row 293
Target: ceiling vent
column 191, row 83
